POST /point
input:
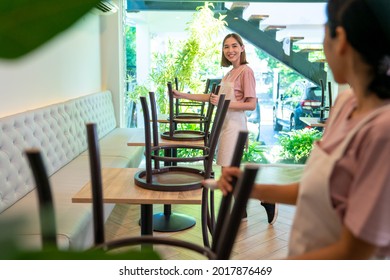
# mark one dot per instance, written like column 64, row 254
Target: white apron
column 235, row 121
column 316, row 223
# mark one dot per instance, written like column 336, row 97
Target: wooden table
column 119, row 187
column 314, row 122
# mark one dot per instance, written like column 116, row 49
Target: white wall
column 113, row 60
column 66, row 67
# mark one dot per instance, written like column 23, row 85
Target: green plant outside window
column 296, row 145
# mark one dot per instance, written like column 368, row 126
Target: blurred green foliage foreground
column 25, row 25
column 10, row 250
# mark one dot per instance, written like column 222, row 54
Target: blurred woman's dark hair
column 367, row 30
column 224, row 61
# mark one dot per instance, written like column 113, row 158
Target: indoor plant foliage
column 255, row 153
column 296, row 145
column 192, row 60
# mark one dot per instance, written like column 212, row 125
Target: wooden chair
column 223, row 239
column 176, row 178
column 186, row 178
column 189, row 103
column 209, row 226
column 210, row 87
column 187, row 118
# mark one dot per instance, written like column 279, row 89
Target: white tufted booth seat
column 59, row 132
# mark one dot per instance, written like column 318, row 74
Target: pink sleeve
column 248, row 83
column 368, row 204
column 245, row 85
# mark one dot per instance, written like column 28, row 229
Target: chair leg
column 204, row 218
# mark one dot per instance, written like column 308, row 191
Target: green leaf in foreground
column 26, row 25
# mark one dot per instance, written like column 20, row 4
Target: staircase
column 266, row 40
column 250, row 30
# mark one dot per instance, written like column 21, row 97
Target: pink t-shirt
column 244, row 84
column 360, row 182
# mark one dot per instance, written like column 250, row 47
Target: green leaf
column 25, row 25
column 54, row 254
column 297, row 144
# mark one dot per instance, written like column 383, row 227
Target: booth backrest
column 97, row 108
column 57, row 130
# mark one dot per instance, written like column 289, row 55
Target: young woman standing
column 239, row 86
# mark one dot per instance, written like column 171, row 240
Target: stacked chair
column 179, row 104
column 183, row 178
column 175, row 118
column 187, row 178
column 171, row 177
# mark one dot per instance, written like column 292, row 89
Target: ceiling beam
column 191, row 5
column 135, row 6
column 251, row 1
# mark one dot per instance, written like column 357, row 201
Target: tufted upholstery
column 96, row 108
column 59, row 132
column 49, row 129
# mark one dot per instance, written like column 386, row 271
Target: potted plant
column 296, row 145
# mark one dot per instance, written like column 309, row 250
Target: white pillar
column 143, row 52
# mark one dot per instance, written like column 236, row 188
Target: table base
column 172, row 222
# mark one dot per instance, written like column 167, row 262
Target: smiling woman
column 26, row 25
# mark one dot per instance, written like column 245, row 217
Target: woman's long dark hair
column 366, row 28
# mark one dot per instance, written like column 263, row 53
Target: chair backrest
column 175, row 117
column 172, row 125
column 209, row 114
column 96, row 182
column 191, row 103
column 216, row 129
column 177, row 105
column 46, row 206
column 226, row 201
column 208, row 223
column 225, row 241
column 155, row 129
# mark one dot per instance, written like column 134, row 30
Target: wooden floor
column 256, row 238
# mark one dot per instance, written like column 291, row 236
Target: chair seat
column 189, row 118
column 203, row 153
column 190, row 103
column 171, row 178
column 183, row 135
